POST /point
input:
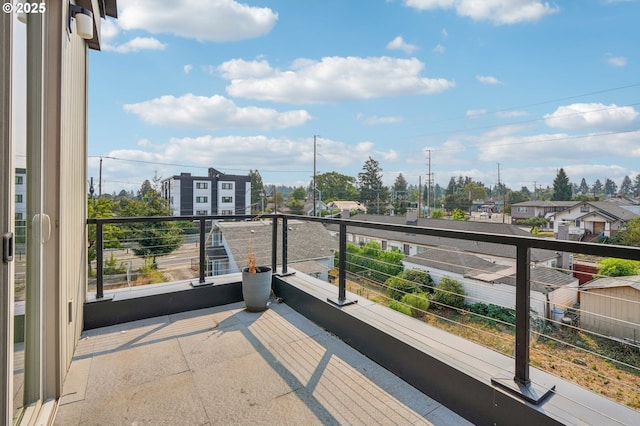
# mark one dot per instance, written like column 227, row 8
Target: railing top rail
column 605, row 250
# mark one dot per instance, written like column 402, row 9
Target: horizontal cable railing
column 519, row 302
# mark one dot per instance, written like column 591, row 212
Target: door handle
column 7, row 247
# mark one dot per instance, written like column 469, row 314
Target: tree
column 298, row 194
column 153, row 239
column 449, row 293
column 630, row 234
column 636, row 185
column 612, row 267
column 458, row 214
column 597, row 187
column 610, row 187
column 335, row 186
column 583, row 188
column 101, row 208
column 372, row 191
column 257, row 188
column 626, row 187
column 400, row 194
column 295, row 206
column 561, row 187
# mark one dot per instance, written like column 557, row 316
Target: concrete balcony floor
column 225, row 365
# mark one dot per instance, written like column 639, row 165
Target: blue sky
column 528, row 85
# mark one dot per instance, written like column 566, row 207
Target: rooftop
column 226, row 365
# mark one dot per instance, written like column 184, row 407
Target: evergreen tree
column 610, row 187
column 583, row 188
column 561, row 187
column 626, row 187
column 597, row 187
column 636, row 185
column 257, row 188
column 372, row 192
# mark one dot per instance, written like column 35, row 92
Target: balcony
column 476, row 381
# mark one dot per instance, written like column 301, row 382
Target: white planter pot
column 256, row 288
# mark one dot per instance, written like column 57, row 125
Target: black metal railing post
column 274, row 244
column 523, row 306
column 521, row 383
column 202, row 256
column 342, row 270
column 99, row 261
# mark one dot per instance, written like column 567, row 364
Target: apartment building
column 214, row 194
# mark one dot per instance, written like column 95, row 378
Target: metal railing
column 521, row 383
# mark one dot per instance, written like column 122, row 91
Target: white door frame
column 7, row 199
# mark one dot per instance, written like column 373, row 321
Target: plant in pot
column 256, row 283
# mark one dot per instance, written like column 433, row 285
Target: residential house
column 611, row 306
column 311, row 246
column 411, row 244
column 214, row 194
column 589, row 219
column 351, row 206
column 50, row 54
column 492, row 283
column 537, row 208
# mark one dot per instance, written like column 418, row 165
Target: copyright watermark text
column 20, row 7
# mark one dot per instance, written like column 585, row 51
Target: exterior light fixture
column 84, row 21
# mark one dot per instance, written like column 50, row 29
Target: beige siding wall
column 73, row 200
column 611, row 311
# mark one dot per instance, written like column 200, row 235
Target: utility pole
column 314, row 176
column 428, row 182
column 100, row 180
column 419, row 195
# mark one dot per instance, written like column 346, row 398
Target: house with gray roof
column 537, row 208
column 488, row 282
column 412, row 244
column 311, row 247
column 589, row 219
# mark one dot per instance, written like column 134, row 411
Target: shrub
column 494, row 312
column 409, row 281
column 437, row 214
column 458, row 214
column 399, row 306
column 418, row 303
column 111, row 266
column 449, row 293
column 613, row 267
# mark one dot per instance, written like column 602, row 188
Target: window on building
column 227, row 185
column 201, row 199
column 18, row 198
column 19, row 180
column 584, row 209
column 202, row 185
column 18, row 216
column 523, row 209
column 227, row 212
column 227, row 199
column 201, row 212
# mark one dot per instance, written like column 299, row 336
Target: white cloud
column 374, row 120
column 616, row 61
column 218, row 21
column 593, row 115
column 187, row 68
column 108, row 30
column 330, row 80
column 511, row 114
column 498, row 12
column 488, row 79
column 439, row 48
column 215, row 112
column 475, row 113
column 398, row 43
column 444, row 33
column 136, row 45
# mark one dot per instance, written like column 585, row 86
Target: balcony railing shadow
column 229, row 366
column 526, row 277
